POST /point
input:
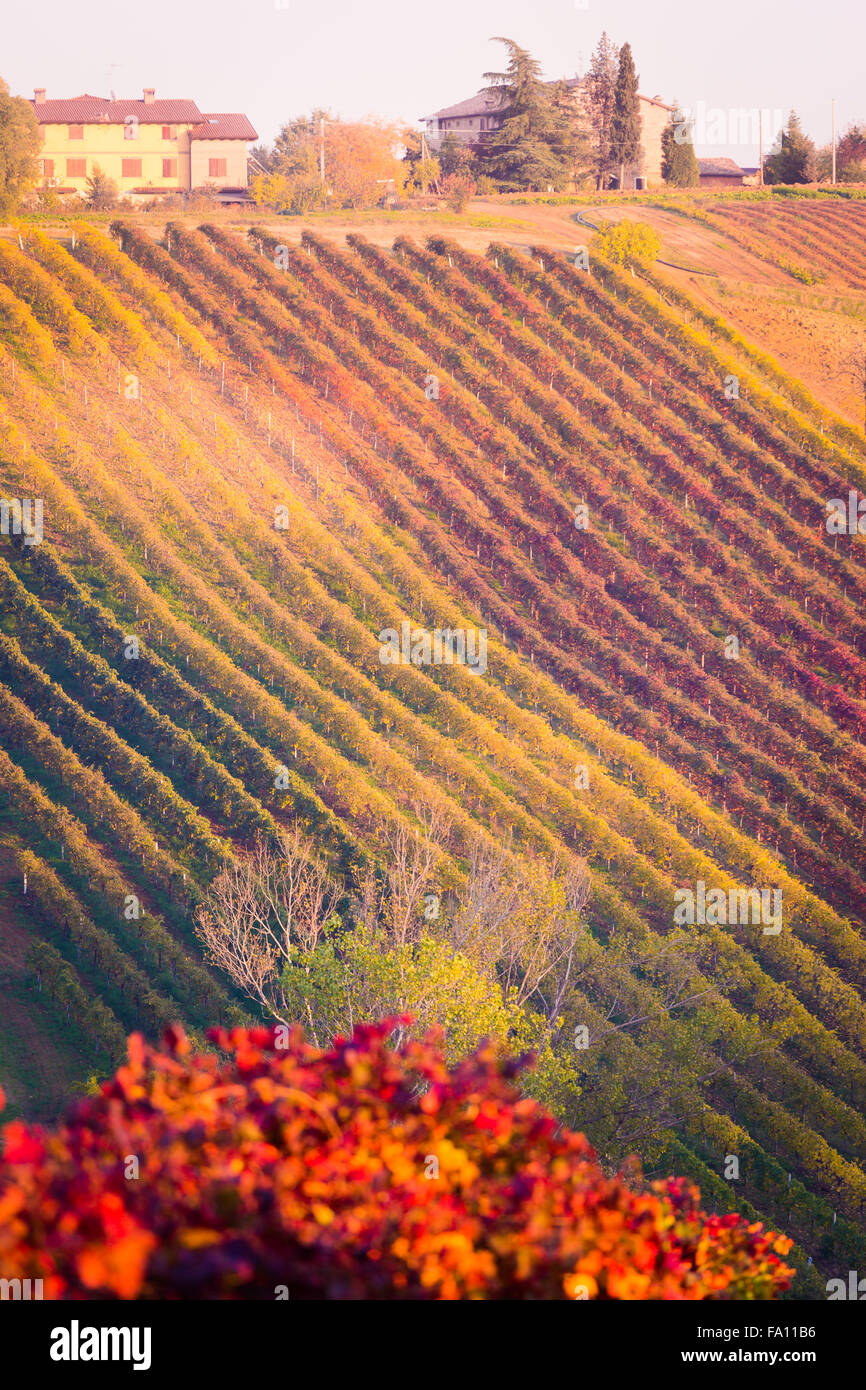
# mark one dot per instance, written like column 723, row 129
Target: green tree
column 292, row 182
column 296, row 148
column 20, row 143
column 426, row 174
column 792, row 159
column 455, row 157
column 534, row 146
column 601, row 93
column 101, row 191
column 625, row 146
column 680, row 167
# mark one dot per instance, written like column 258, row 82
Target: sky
column 274, row 59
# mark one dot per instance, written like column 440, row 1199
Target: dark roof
column 90, row 110
column 223, row 125
column 719, row 167
column 490, row 99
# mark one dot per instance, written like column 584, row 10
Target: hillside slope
column 254, row 459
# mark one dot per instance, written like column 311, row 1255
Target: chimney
column 39, row 95
column 149, row 96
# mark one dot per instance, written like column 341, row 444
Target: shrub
column 629, row 243
column 459, row 189
column 361, row 1172
column 101, row 191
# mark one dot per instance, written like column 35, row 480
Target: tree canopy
column 601, row 93
column 538, row 141
column 359, row 162
column 20, row 143
column 625, row 119
column 792, row 159
column 680, row 167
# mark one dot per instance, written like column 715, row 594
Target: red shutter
column 130, row 168
column 76, row 168
column 169, row 168
column 217, row 168
column 48, row 168
column 76, row 132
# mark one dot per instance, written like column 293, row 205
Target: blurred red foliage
column 361, row 1172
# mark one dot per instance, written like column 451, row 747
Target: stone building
column 470, row 120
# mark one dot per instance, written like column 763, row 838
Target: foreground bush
column 360, row 1172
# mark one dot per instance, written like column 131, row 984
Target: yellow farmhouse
column 147, row 147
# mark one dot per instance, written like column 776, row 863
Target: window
column 47, row 168
column 169, row 168
column 216, row 168
column 76, row 132
column 130, row 168
column 76, row 168
column 169, row 132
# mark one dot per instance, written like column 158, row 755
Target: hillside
column 254, row 458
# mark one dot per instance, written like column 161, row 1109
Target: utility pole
column 834, row 140
column 760, row 146
column 322, row 148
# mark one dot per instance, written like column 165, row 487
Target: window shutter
column 130, row 168
column 76, row 168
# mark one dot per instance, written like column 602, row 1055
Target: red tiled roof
column 223, row 125
column 720, row 166
column 90, row 110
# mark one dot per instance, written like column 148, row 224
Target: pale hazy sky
column 277, row 58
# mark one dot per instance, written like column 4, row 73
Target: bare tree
column 856, row 370
column 413, row 858
column 270, row 902
column 522, row 920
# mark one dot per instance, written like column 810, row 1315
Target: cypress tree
column 625, row 146
column 793, row 158
column 680, row 167
column 601, row 93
